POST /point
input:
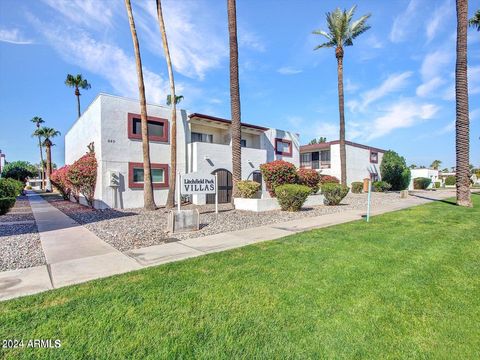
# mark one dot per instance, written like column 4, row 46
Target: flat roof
column 225, row 121
column 326, row 145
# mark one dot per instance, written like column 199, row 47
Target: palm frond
column 325, row 45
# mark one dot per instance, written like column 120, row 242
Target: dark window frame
column 139, row 185
column 164, row 122
column 376, row 158
column 283, row 153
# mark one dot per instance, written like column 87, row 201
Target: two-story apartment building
column 362, row 161
column 112, row 123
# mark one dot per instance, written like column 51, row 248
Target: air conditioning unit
column 114, row 178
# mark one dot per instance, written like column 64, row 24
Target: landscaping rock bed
column 20, row 245
column 136, row 228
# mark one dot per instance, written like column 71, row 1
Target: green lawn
column 406, row 285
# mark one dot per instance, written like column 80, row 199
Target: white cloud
column 249, row 39
column 374, row 42
column 350, row 86
column 325, row 129
column 429, row 87
column 393, row 83
column 402, row 25
column 288, row 70
column 402, row 114
column 435, row 63
column 438, row 18
column 13, row 36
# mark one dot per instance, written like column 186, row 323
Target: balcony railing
column 315, row 164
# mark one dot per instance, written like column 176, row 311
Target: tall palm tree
column 173, row 145
column 38, row 121
column 236, row 131
column 436, row 164
column 148, row 199
column 48, row 133
column 341, row 32
column 462, row 124
column 178, row 99
column 475, row 20
column 77, row 82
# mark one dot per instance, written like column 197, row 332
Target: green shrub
column 334, row 193
column 450, row 180
column 437, row 184
column 29, row 187
column 394, row 171
column 19, row 170
column 357, row 187
column 6, row 203
column 421, row 183
column 291, row 197
column 10, row 188
column 247, row 188
column 381, row 186
column 278, row 173
column 310, row 178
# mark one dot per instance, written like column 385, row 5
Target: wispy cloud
column 392, row 83
column 13, row 36
column 249, row 39
column 402, row 25
column 434, row 71
column 429, row 87
column 438, row 18
column 288, row 70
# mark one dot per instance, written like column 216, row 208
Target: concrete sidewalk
column 75, row 255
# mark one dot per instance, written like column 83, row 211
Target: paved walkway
column 74, row 254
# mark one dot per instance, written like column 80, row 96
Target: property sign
column 198, row 183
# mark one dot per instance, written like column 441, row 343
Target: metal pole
column 179, row 184
column 216, row 193
column 368, row 201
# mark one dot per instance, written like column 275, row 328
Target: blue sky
column 399, row 75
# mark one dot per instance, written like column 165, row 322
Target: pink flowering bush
column 278, row 172
column 82, row 174
column 60, row 180
column 310, row 178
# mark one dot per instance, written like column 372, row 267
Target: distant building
column 431, row 174
column 363, row 161
column 2, row 162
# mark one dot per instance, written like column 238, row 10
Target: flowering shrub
column 310, row 178
column 83, row 176
column 60, row 180
column 247, row 188
column 326, row 179
column 278, row 173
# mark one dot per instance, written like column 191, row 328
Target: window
column 157, row 128
column 373, row 157
column 199, row 137
column 283, row 147
column 243, row 143
column 305, row 159
column 136, row 175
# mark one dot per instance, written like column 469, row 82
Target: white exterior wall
column 268, row 143
column 2, row 164
column 426, row 173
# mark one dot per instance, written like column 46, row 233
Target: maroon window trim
column 163, row 138
column 136, row 185
column 285, row 141
column 373, row 152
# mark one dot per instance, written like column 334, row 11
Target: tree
column 445, row 170
column 78, row 82
column 37, row 121
column 462, row 123
column 320, row 140
column 341, row 32
column 19, row 170
column 436, row 164
column 394, row 171
column 149, row 202
column 236, row 130
column 48, row 133
column 413, row 166
column 173, row 104
column 475, row 20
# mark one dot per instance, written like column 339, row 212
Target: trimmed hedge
column 310, row 178
column 278, row 173
column 6, row 203
column 421, row 183
column 334, row 193
column 381, row 186
column 10, row 188
column 450, row 180
column 248, row 188
column 357, row 187
column 291, row 197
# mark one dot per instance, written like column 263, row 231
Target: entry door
column 225, row 187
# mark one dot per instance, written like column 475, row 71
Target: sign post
column 179, row 197
column 368, row 199
column 216, row 193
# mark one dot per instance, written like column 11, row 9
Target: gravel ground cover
column 20, row 245
column 135, row 228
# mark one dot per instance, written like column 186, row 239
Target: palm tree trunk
column 77, row 94
column 234, row 98
column 462, row 120
column 173, row 145
column 341, row 105
column 42, row 176
column 148, row 199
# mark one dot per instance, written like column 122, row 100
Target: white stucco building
column 362, row 161
column 2, row 162
column 203, row 144
column 424, row 173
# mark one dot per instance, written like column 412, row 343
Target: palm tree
column 462, row 123
column 148, row 200
column 475, row 20
column 48, row 133
column 413, row 166
column 173, row 145
column 37, row 121
column 341, row 32
column 236, row 131
column 78, row 82
column 436, row 164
